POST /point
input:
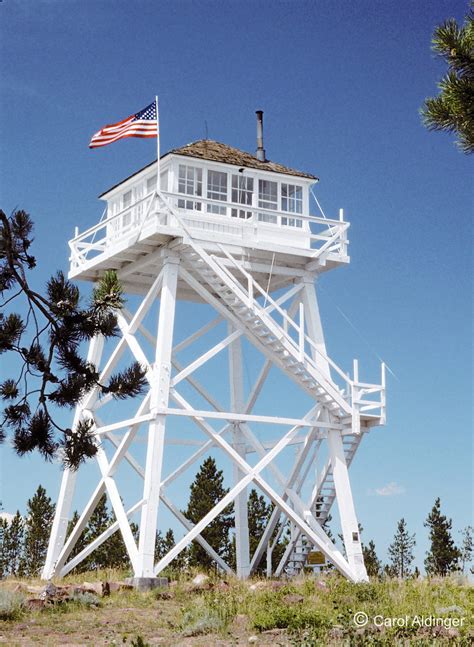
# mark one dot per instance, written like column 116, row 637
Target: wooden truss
column 291, row 339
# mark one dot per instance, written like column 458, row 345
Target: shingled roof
column 208, row 149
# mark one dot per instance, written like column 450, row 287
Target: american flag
column 141, row 124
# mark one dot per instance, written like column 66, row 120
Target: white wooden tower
column 232, row 231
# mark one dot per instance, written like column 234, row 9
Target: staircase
column 274, row 339
column 295, row 560
column 344, row 404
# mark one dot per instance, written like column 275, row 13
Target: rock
column 277, row 585
column 201, row 581
column 36, row 603
column 453, row 609
column 30, row 589
column 321, row 585
column 164, row 595
column 119, row 586
column 293, row 598
column 49, row 591
column 101, row 589
column 240, row 624
column 258, row 586
column 336, row 633
column 252, row 640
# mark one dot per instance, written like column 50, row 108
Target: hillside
column 211, row 611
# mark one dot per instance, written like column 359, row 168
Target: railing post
column 355, row 397
column 341, row 215
column 250, row 291
column 301, row 332
column 383, row 402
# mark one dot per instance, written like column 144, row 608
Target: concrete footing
column 147, row 583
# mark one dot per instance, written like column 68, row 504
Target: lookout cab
column 234, row 231
column 223, row 197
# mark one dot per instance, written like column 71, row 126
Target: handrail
column 248, row 207
column 285, row 315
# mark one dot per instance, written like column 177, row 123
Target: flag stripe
column 142, row 124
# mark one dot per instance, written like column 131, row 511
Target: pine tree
column 13, row 544
column 99, row 522
column 3, row 561
column 46, row 343
column 207, row 490
column 401, row 551
column 372, row 563
column 259, row 513
column 38, row 521
column 180, row 561
column 443, row 556
column 112, row 553
column 453, row 109
column 81, row 542
column 467, row 547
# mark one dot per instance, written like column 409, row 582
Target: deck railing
column 322, row 236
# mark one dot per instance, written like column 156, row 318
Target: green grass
column 327, row 610
column 323, row 614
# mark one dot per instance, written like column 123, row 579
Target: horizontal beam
column 242, row 417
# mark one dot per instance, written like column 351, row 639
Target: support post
column 314, row 326
column 345, row 503
column 239, row 444
column 156, row 432
column 68, row 482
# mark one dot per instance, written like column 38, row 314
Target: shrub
column 11, row 605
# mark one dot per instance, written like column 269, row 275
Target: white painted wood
column 68, row 482
column 159, row 398
column 349, row 525
column 236, row 382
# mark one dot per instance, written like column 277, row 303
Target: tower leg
column 68, row 482
column 313, row 324
column 238, row 442
column 349, row 525
column 156, row 432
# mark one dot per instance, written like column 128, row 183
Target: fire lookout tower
column 232, row 231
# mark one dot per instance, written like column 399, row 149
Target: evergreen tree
column 98, row 523
column 259, row 513
column 3, row 561
column 467, row 547
column 453, row 109
column 46, row 344
column 80, row 544
column 160, row 548
column 180, row 561
column 207, row 490
column 372, row 563
column 443, row 556
column 38, row 521
column 112, row 553
column 13, row 544
column 401, row 551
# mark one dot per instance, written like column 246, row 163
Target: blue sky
column 341, row 84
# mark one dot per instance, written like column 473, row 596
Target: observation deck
column 227, row 201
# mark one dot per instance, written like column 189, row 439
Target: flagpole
column 157, row 148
